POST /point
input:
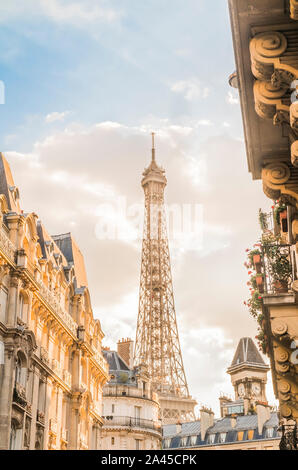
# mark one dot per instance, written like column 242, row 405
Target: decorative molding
column 294, row 9
column 272, row 57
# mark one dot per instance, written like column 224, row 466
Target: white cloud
column 232, row 98
column 76, row 13
column 204, row 122
column 191, row 89
column 85, row 166
column 56, row 116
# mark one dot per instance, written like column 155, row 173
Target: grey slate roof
column 247, row 352
column 115, row 362
column 220, row 425
column 7, row 185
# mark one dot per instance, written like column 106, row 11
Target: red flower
column 247, row 250
column 260, row 297
column 249, row 272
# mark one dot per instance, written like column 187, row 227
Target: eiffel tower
column 157, row 340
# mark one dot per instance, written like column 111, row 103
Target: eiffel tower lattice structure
column 157, row 340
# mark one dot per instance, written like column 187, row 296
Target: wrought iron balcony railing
column 7, row 246
column 126, row 391
column 278, row 268
column 127, row 421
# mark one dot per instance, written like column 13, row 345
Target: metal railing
column 7, row 246
column 277, row 258
column 126, row 391
column 54, row 303
column 127, row 421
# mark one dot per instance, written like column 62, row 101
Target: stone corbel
column 266, row 51
column 280, row 180
column 268, row 100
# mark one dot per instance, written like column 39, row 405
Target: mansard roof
column 73, row 254
column 115, row 362
column 222, row 425
column 247, row 353
column 7, row 186
column 45, row 241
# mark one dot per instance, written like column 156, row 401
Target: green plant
column 263, row 220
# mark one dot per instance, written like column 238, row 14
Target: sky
column 86, row 82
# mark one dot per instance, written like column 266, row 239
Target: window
column 240, row 436
column 269, row 432
column 193, row 440
column 239, row 409
column 250, row 434
column 13, row 437
column 138, row 444
column 113, row 441
column 113, row 408
column 137, row 414
column 183, row 442
column 222, row 437
column 1, row 353
column 167, row 443
column 211, row 439
column 3, row 304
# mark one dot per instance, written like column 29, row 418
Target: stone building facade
column 131, row 409
column 51, row 365
column 265, row 36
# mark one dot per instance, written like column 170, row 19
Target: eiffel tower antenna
column 157, row 339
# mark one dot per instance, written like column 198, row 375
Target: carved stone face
column 256, row 389
column 241, row 390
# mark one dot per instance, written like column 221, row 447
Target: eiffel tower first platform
column 157, row 339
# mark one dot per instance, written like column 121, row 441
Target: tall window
column 23, row 308
column 138, row 444
column 3, row 304
column 13, row 436
column 20, row 372
column 137, row 414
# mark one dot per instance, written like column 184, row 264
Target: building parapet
column 127, row 421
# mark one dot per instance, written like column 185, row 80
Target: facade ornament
column 294, row 9
column 279, row 180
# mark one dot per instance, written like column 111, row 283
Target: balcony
column 40, row 417
column 100, row 360
column 132, row 423
column 278, row 268
column 56, row 367
column 53, row 301
column 7, row 246
column 126, row 391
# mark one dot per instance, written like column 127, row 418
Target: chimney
column 233, row 421
column 178, row 428
column 207, row 421
column 263, row 413
column 125, row 351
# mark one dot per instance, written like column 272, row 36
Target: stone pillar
column 47, row 413
column 12, row 301
column 36, row 378
column 6, row 394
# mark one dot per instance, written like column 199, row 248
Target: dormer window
column 211, row 439
column 269, row 432
column 183, row 442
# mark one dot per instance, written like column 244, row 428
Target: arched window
column 23, row 307
column 20, row 371
column 13, row 436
